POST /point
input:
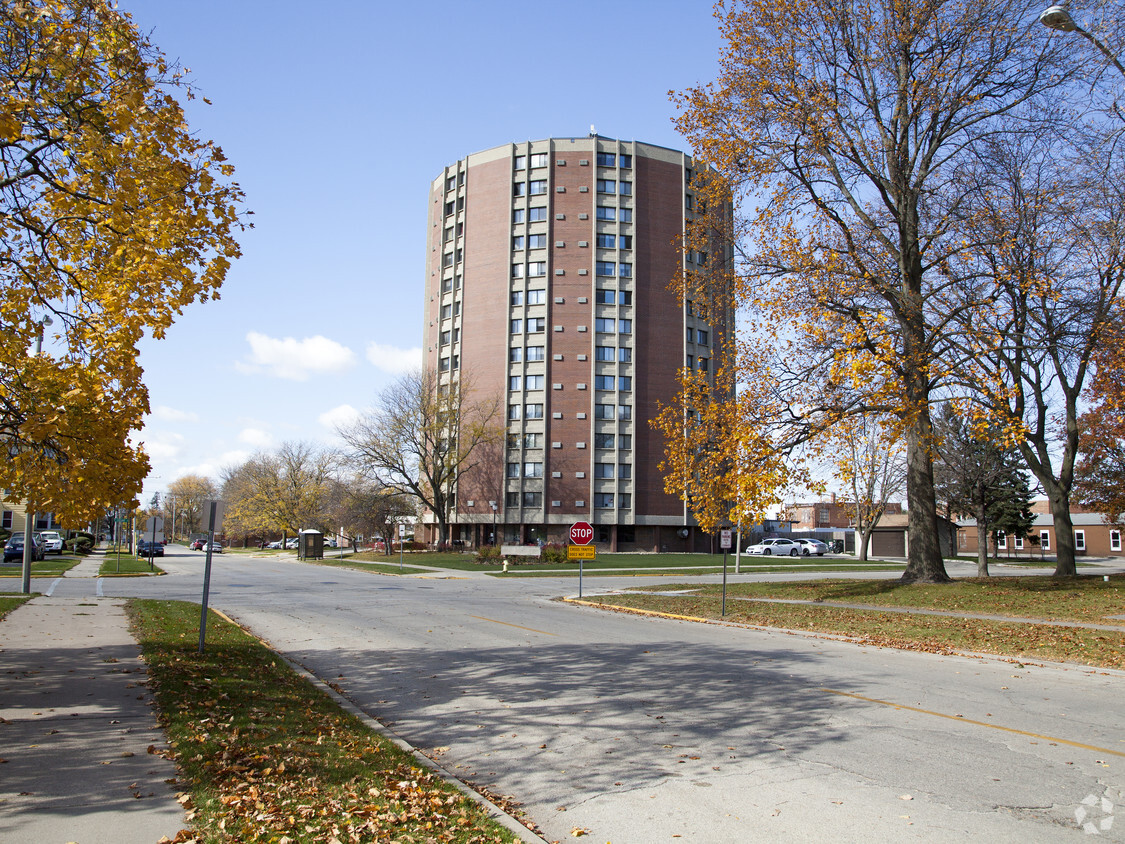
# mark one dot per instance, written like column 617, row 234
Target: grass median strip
column 265, row 756
column 50, row 567
column 937, row 634
column 7, row 604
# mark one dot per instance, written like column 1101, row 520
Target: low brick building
column 1092, row 535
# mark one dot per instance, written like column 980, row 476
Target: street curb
column 497, row 814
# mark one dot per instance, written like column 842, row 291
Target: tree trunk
column 924, row 563
column 1065, row 563
column 865, row 534
column 982, row 542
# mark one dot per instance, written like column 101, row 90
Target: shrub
column 553, row 553
column 488, row 554
column 81, row 544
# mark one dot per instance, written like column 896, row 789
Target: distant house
column 891, row 537
column 1091, row 535
column 820, row 515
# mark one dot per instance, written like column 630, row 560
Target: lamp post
column 29, row 517
column 1058, row 17
column 492, row 504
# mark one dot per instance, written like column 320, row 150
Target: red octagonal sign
column 581, row 533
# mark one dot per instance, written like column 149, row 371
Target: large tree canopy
column 113, row 218
column 847, row 131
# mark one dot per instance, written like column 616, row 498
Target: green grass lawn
column 266, row 756
column 9, row 603
column 128, row 564
column 53, row 566
column 618, row 564
column 1082, row 599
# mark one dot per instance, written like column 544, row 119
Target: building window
column 607, row 159
column 1080, row 540
column 537, row 297
column 607, row 241
column 514, row 412
column 605, row 325
column 625, row 270
column 626, row 443
column 606, row 268
column 625, row 470
column 625, row 241
column 535, row 325
column 533, row 499
column 1019, row 543
column 603, row 382
column 537, row 187
column 701, row 337
column 519, row 188
column 513, row 470
column 626, row 501
column 537, row 241
column 532, row 440
column 625, row 411
column 450, row 207
column 517, row 326
column 704, row 364
column 514, row 382
column 533, row 411
column 1045, row 540
column 603, row 500
column 605, row 297
column 517, row 216
column 511, row 499
column 626, row 383
column 539, row 159
column 445, row 335
column 536, row 352
column 517, row 297
column 625, row 326
column 603, row 440
column 603, row 470
column 1115, row 540
column 537, row 269
column 517, row 270
column 690, row 359
column 606, row 213
column 9, row 516
column 446, row 311
column 626, row 188
column 535, row 382
column 626, row 162
column 603, row 411
column 1001, row 540
column 517, row 242
column 625, row 355
column 607, row 186
column 537, row 214
column 520, row 162
column 515, row 354
column 533, row 470
column 603, row 353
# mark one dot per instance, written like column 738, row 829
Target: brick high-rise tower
column 548, row 275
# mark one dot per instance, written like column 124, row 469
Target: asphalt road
column 643, row 729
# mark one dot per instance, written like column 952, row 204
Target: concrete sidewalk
column 76, row 722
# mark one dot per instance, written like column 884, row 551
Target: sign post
column 581, row 534
column 724, row 542
column 214, row 509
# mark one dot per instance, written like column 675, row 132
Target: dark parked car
column 13, row 549
column 150, row 549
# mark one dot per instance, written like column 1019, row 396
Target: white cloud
column 338, row 417
column 393, row 360
column 256, row 437
column 162, row 447
column 164, row 413
column 295, row 360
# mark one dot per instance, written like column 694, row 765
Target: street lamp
column 29, row 517
column 1058, row 17
column 492, row 504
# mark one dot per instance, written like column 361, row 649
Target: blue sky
column 337, row 117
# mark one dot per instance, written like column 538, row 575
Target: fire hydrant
column 505, row 564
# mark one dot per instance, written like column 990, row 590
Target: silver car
column 812, row 546
column 784, row 547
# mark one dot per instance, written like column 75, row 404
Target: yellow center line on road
column 506, row 624
column 962, row 720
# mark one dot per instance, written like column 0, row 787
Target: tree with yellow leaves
column 113, row 218
column 843, row 131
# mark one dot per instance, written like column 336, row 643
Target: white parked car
column 52, row 541
column 784, row 547
column 812, row 546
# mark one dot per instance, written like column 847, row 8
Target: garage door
column 890, row 543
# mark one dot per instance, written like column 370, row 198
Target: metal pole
column 207, row 578
column 725, row 552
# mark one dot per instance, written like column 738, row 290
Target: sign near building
column 581, row 533
column 581, row 552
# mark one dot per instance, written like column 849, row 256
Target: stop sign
column 581, row 533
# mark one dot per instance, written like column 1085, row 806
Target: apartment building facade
column 548, row 280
